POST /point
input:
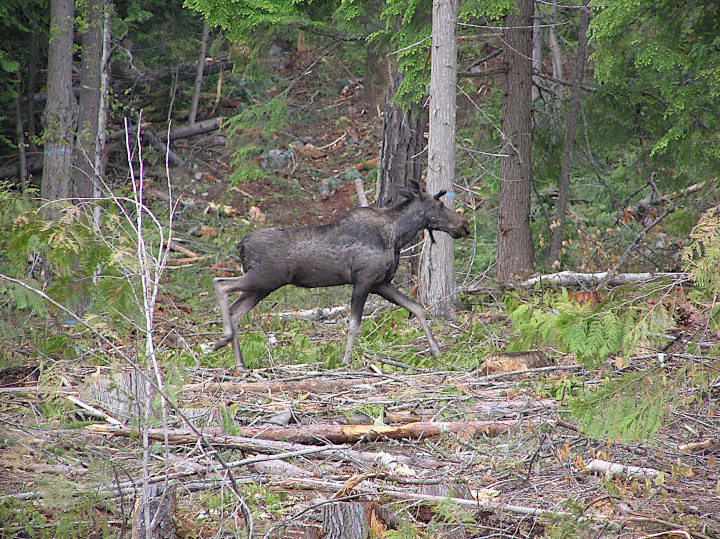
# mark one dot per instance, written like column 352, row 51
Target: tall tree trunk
column 555, row 52
column 570, row 129
column 32, row 63
column 536, row 52
column 437, row 273
column 104, row 107
column 89, row 110
column 199, row 73
column 401, row 154
column 515, row 245
column 20, row 131
column 374, row 80
column 61, row 108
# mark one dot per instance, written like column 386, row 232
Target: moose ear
column 415, row 187
column 403, row 191
column 440, row 193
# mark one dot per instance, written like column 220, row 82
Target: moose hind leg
column 238, row 309
column 393, row 295
column 357, row 303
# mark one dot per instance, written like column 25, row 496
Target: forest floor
column 418, row 451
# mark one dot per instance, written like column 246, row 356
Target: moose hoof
column 222, row 341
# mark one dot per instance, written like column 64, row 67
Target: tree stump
column 355, row 520
column 162, row 509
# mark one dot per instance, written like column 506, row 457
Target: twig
column 93, row 411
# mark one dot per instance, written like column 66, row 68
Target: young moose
column 361, row 248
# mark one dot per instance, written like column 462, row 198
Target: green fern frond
column 629, row 409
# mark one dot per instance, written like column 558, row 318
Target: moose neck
column 408, row 220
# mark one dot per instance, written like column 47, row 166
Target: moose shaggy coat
column 361, row 248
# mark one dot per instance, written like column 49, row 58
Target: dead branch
column 591, row 280
column 185, row 200
column 388, row 491
column 323, row 433
column 323, row 385
column 613, row 469
column 382, row 459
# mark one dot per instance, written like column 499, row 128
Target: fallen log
column 317, row 385
column 217, row 438
column 340, row 434
column 571, row 278
column 614, row 469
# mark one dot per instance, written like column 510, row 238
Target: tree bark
column 437, row 274
column 60, row 110
column 402, row 144
column 570, row 129
column 20, row 131
column 89, row 109
column 199, row 73
column 555, row 52
column 536, row 52
column 515, row 245
column 32, row 63
column 346, row 520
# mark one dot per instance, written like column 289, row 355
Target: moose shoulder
column 361, row 248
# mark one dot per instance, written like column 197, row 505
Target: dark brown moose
column 361, row 248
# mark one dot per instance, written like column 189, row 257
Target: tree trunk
column 536, row 52
column 570, row 129
column 402, row 143
column 199, row 73
column 20, row 131
column 61, row 107
column 437, row 274
column 373, row 81
column 89, row 110
column 515, row 245
column 555, row 51
column 32, row 63
column 345, row 521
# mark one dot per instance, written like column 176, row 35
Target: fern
column 617, row 327
column 703, row 253
column 629, row 409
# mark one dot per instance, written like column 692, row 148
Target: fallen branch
column 382, row 459
column 319, row 385
column 95, row 412
column 613, row 469
column 591, row 280
column 387, row 491
column 320, row 433
column 313, row 434
column 185, row 200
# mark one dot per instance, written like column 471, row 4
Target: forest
column 563, row 384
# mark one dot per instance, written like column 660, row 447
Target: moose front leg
column 393, row 295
